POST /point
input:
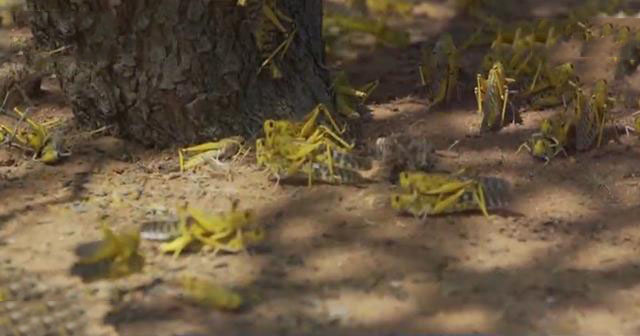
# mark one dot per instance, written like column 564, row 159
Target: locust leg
column 303, row 151
column 478, row 92
column 23, row 116
column 524, row 64
column 296, row 167
column 535, row 77
column 208, row 146
column 214, row 240
column 478, row 196
column 310, row 121
column 205, row 147
column 442, row 92
column 449, row 187
column 368, row 89
column 177, row 245
column 601, row 122
column 309, row 126
column 282, row 47
column 330, row 160
column 273, row 17
column 287, row 42
column 423, row 76
column 344, row 107
column 447, row 203
column 181, row 160
column 325, row 130
column 504, row 104
column 523, row 145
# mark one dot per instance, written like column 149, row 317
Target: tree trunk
column 180, row 71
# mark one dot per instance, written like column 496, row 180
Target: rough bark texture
column 178, row 71
column 16, row 79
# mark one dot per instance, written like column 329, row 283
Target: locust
column 208, row 294
column 554, row 137
column 552, row 86
column 191, row 157
column 291, row 147
column 601, row 103
column 308, row 129
column 382, row 32
column 347, row 97
column 591, row 114
column 230, row 231
column 492, row 96
column 437, row 193
column 399, row 152
column 629, row 57
column 45, row 145
column 580, row 128
column 113, row 257
column 268, row 27
column 542, row 147
column 327, row 165
column 518, row 49
column 440, row 69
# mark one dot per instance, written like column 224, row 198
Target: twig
column 453, row 145
column 6, row 98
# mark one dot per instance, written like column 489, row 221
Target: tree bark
column 168, row 72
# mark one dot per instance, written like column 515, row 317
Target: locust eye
column 396, row 198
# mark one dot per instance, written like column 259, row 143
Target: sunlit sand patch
column 601, row 257
column 359, row 309
column 579, row 320
column 559, row 200
column 459, row 321
column 340, row 263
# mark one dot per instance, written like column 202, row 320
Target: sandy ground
column 338, row 260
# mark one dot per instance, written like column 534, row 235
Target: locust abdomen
column 340, row 175
column 496, row 191
column 160, row 230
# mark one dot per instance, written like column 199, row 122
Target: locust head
column 405, row 180
column 269, row 128
column 400, row 202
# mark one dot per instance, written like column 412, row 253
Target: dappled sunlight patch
column 465, row 319
column 560, row 199
column 601, row 257
column 357, row 309
column 580, row 320
column 340, row 263
column 434, row 10
column 299, row 232
column 502, row 252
